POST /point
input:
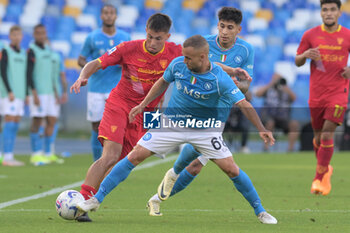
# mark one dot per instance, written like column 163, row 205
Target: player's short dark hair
column 196, row 41
column 109, row 5
column 39, row 26
column 159, row 22
column 338, row 2
column 230, row 14
column 15, row 28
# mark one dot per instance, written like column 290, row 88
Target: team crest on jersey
column 340, row 40
column 238, row 59
column 113, row 128
column 208, row 86
column 163, row 63
column 112, row 50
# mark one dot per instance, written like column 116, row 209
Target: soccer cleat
column 84, row 218
column 39, row 160
column 316, row 187
column 153, row 207
column 54, row 159
column 326, row 181
column 89, row 205
column 12, row 163
column 266, row 218
column 167, row 184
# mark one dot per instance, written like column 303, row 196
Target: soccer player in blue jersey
column 96, row 44
column 2, row 90
column 224, row 48
column 13, row 72
column 199, row 85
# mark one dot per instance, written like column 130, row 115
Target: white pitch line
column 61, row 189
column 191, row 210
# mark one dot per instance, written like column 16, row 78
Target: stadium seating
column 273, row 27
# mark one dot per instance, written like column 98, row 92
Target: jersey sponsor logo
column 99, row 42
column 142, row 80
column 340, row 40
column 141, row 60
column 163, row 63
column 235, row 91
column 195, row 94
column 238, row 59
column 113, row 128
column 329, row 47
column 147, row 137
column 178, row 75
column 208, row 86
column 112, row 50
column 148, row 71
column 332, row 57
column 151, row 120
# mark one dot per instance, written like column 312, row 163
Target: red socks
column 324, row 155
column 316, row 147
column 87, row 191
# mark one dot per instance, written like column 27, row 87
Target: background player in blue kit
column 199, row 86
column 102, row 82
column 225, row 48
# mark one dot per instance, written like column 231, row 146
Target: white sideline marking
column 190, row 210
column 69, row 186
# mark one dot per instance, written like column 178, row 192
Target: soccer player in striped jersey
column 328, row 47
column 102, row 82
column 13, row 72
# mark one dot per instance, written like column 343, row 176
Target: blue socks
column 187, row 155
column 35, row 142
column 95, row 145
column 245, row 186
column 184, row 179
column 9, row 137
column 119, row 173
column 48, row 142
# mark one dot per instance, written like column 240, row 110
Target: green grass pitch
column 210, row 204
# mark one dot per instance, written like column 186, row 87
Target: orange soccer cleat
column 326, row 181
column 316, row 187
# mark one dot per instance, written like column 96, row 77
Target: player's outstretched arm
column 157, row 89
column 90, row 68
column 248, row 110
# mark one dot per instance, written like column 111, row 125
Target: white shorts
column 209, row 144
column 95, row 106
column 14, row 108
column 48, row 107
column 1, row 106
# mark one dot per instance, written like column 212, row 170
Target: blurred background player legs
column 101, row 83
column 60, row 88
column 42, row 101
column 13, row 73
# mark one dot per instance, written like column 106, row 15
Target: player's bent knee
column 139, row 154
column 195, row 167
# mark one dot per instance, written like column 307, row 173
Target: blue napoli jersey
column 241, row 55
column 198, row 95
column 96, row 44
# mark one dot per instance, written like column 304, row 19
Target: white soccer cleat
column 12, row 163
column 153, row 207
column 267, row 218
column 89, row 205
column 167, row 184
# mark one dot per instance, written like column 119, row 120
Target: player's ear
column 168, row 36
column 239, row 29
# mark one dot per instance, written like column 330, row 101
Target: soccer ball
column 66, row 204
